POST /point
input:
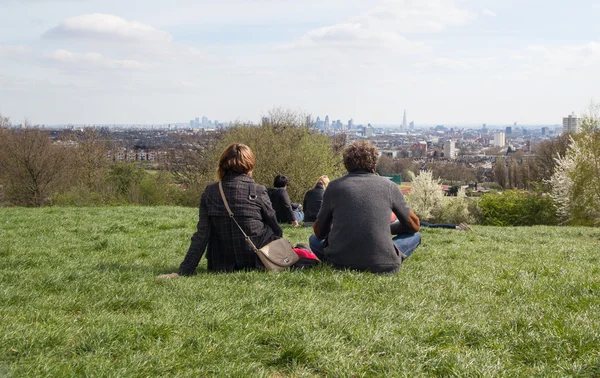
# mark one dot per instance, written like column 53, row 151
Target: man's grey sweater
column 355, row 219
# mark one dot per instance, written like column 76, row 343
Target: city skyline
column 446, row 62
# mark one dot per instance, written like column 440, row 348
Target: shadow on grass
column 127, row 268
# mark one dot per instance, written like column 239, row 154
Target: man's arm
column 322, row 224
column 408, row 222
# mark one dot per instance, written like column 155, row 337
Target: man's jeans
column 406, row 243
column 299, row 215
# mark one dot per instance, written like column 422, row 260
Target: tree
column 576, row 179
column 294, row 149
column 385, row 165
column 546, row 154
column 33, row 167
column 514, row 179
column 90, row 158
column 193, row 164
column 500, row 172
column 426, row 197
column 4, row 122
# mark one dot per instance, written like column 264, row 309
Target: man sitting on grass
column 286, row 211
column 353, row 227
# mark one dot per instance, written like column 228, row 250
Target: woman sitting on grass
column 313, row 200
column 226, row 248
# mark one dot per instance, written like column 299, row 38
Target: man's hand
column 414, row 222
column 168, row 276
column 295, row 223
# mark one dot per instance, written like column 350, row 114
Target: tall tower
column 571, row 124
column 404, row 125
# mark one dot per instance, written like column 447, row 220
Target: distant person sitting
column 453, row 226
column 285, row 210
column 313, row 200
column 353, row 227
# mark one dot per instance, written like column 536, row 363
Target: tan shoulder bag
column 277, row 255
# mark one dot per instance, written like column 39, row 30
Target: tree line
column 36, row 171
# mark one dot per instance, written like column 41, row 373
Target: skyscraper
column 411, row 125
column 404, row 125
column 571, row 124
column 326, row 121
column 499, row 139
column 449, row 150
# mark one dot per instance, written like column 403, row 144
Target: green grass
column 78, row 297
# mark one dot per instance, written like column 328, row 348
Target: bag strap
column 231, row 216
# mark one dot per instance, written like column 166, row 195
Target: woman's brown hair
column 237, row 158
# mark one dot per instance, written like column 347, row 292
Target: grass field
column 78, row 297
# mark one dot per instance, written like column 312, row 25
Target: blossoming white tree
column 576, row 180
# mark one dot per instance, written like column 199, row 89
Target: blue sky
column 444, row 61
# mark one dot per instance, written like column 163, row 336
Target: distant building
column 450, row 150
column 411, row 126
column 350, row 124
column 500, row 139
column 545, row 131
column 571, row 124
column 508, row 130
column 326, row 121
column 404, row 124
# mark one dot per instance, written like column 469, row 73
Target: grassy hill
column 78, row 297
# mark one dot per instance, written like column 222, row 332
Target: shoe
column 464, row 227
column 303, row 246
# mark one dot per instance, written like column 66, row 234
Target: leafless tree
column 500, row 172
column 33, row 167
column 90, row 157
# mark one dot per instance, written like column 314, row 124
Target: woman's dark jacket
column 227, row 249
column 312, row 203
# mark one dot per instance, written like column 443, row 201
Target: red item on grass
column 305, row 254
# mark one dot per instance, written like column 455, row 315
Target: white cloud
column 417, row 16
column 559, row 58
column 107, row 27
column 445, row 63
column 386, row 25
column 14, row 51
column 355, row 36
column 488, row 12
column 91, row 61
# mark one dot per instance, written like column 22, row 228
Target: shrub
column 517, row 208
column 79, row 196
column 456, row 209
column 426, row 198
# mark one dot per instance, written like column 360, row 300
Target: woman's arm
column 268, row 214
column 199, row 241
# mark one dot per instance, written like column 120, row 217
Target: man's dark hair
column 281, row 181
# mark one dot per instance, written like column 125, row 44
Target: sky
column 155, row 62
